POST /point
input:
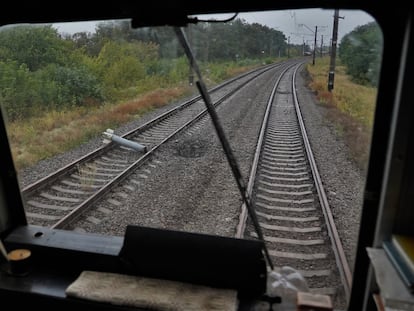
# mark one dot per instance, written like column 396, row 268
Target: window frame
column 386, row 197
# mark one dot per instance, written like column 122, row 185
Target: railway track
column 61, row 197
column 284, row 184
column 289, row 200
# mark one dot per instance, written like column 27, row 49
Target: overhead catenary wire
column 225, row 144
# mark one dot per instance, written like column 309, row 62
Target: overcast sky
column 299, row 25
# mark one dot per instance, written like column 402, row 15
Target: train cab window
column 254, row 126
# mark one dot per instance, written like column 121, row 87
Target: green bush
column 360, row 51
column 18, row 90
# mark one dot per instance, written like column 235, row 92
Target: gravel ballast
column 194, row 163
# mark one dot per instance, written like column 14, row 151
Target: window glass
column 68, row 90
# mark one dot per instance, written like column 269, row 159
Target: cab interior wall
column 394, row 22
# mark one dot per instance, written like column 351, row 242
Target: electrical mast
column 331, row 76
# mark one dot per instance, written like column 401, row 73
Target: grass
column 351, row 106
column 55, row 132
column 58, row 131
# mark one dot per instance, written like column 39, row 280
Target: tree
column 360, row 51
column 40, row 71
column 123, row 64
column 35, row 46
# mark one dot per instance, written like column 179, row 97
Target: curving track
column 284, row 184
column 289, row 199
column 58, row 199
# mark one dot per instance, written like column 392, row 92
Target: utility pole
column 314, row 46
column 190, row 68
column 288, row 47
column 315, row 33
column 331, row 76
column 321, row 45
column 303, row 48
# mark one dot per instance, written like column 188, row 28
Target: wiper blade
column 222, row 137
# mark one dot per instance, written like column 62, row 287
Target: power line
column 315, row 40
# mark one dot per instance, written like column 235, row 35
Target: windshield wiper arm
column 222, row 137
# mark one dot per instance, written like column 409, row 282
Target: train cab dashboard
column 387, row 201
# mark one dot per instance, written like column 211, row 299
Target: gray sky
column 299, row 25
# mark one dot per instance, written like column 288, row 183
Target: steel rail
column 83, row 207
column 51, row 178
column 252, row 176
column 336, row 246
column 341, row 260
